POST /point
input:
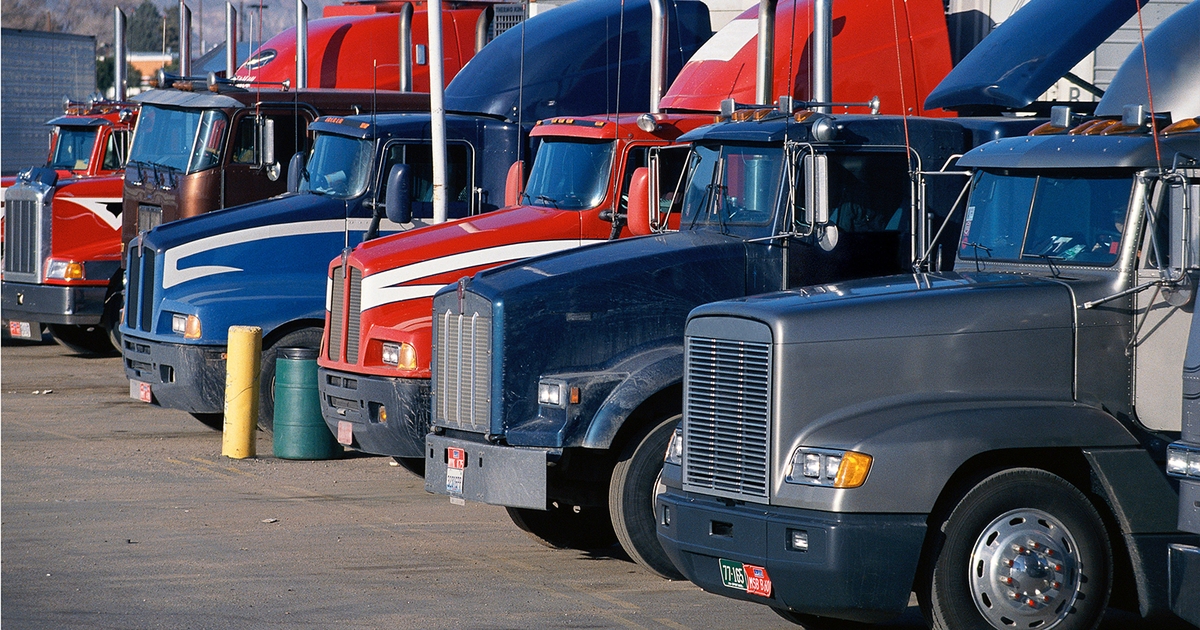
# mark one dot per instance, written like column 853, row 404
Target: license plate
column 140, row 391
column 456, row 462
column 21, row 330
column 745, row 577
column 345, row 432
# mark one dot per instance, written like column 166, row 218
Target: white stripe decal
column 727, row 42
column 379, row 289
column 173, row 275
column 99, row 207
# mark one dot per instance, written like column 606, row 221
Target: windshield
column 187, row 140
column 1076, row 217
column 73, row 149
column 732, row 185
column 339, row 167
column 569, row 174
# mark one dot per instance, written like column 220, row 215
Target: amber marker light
column 853, row 471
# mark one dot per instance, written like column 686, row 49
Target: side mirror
column 514, row 184
column 268, row 140
column 1184, row 249
column 295, row 172
column 398, row 206
column 816, row 189
column 637, row 212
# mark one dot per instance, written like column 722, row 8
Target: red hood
column 87, row 219
column 865, row 56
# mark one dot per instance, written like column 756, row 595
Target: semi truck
column 576, row 195
column 1183, row 463
column 371, row 45
column 62, row 225
column 189, row 282
column 991, row 439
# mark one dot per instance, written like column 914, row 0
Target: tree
column 145, row 28
column 104, row 74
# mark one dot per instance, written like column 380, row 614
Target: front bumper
column 52, row 303
column 1184, row 559
column 857, row 566
column 181, row 376
column 387, row 416
column 511, row 476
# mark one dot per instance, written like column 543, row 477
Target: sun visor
column 569, row 66
column 1028, row 52
column 1171, row 53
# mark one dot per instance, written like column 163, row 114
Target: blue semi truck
column 265, row 264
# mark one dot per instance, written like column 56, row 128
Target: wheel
column 812, row 622
column 631, row 496
column 215, row 421
column 1022, row 549
column 82, row 339
column 561, row 527
column 111, row 319
column 302, row 338
column 414, row 465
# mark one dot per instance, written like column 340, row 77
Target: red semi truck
column 62, row 227
column 375, row 356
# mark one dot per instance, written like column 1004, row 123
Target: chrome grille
column 354, row 315
column 133, row 273
column 461, row 396
column 147, row 290
column 26, row 234
column 336, row 314
column 727, row 415
column 139, row 290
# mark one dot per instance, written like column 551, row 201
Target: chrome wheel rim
column 1024, row 570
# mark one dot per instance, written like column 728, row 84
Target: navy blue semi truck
column 1183, row 463
column 265, row 264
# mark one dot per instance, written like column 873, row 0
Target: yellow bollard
column 242, row 369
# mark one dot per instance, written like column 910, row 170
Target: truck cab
column 993, row 438
column 1183, row 463
column 61, row 225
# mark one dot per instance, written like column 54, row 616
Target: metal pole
column 658, row 52
column 185, row 39
column 120, row 62
column 764, row 75
column 437, row 110
column 301, row 45
column 823, row 53
column 231, row 40
column 405, row 58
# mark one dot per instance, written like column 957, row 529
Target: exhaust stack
column 658, row 52
column 185, row 40
column 120, row 58
column 822, row 56
column 765, row 72
column 301, row 45
column 231, row 40
column 405, row 39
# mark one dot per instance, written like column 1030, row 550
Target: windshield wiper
column 1050, row 258
column 546, row 199
column 976, row 247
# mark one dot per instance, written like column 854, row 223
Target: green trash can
column 300, row 431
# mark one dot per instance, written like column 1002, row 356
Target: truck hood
column 1031, row 50
column 225, row 224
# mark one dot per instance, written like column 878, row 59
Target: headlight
column 401, row 355
column 828, row 467
column 1183, row 460
column 64, row 270
column 551, row 394
column 186, row 325
column 675, row 448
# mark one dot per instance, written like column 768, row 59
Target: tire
column 561, row 527
column 302, row 338
column 111, row 319
column 414, row 465
column 214, row 421
column 812, row 622
column 1049, row 533
column 631, row 494
column 89, row 340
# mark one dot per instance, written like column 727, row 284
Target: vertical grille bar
column 354, row 315
column 727, row 410
column 336, row 314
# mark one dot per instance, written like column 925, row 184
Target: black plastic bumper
column 387, row 416
column 857, row 566
column 1185, row 558
column 181, row 376
column 52, row 303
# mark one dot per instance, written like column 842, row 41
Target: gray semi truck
column 992, row 439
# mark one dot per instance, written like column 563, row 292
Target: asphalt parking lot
column 116, row 514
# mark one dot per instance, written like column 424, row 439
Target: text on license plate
column 140, row 391
column 745, row 577
column 456, row 461
column 21, row 330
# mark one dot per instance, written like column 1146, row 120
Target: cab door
column 248, row 176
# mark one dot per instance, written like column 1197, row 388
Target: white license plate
column 140, row 391
column 345, row 432
column 20, row 330
column 456, row 462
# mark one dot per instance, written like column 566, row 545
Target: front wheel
column 1024, row 548
column 562, row 527
column 631, row 495
column 302, row 338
